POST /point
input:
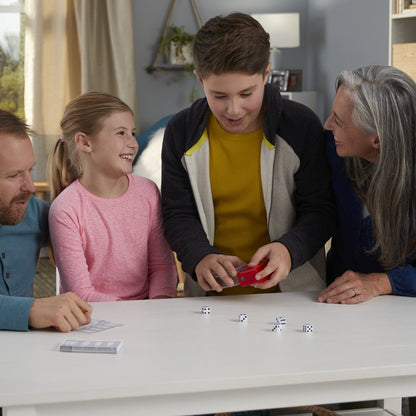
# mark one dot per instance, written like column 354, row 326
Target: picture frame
column 294, row 82
column 279, row 77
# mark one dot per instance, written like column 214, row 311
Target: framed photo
column 279, row 77
column 294, row 82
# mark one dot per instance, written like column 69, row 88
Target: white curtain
column 71, row 47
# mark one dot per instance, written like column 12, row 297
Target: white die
column 281, row 320
column 307, row 328
column 277, row 328
column 243, row 317
column 206, row 310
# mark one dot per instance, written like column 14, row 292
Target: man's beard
column 11, row 214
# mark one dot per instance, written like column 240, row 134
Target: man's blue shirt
column 19, row 252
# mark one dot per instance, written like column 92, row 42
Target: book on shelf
column 404, row 4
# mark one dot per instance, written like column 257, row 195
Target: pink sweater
column 107, row 249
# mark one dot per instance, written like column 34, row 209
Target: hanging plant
column 177, row 48
column 177, row 45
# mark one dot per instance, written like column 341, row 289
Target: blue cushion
column 143, row 139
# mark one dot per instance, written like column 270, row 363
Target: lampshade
column 283, row 29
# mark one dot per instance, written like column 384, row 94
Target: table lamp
column 283, row 29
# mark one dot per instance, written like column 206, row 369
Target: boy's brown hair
column 234, row 43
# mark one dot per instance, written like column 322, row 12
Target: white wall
column 335, row 35
column 159, row 94
column 344, row 34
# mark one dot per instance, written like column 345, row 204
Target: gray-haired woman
column 372, row 152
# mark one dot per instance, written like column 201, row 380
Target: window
column 12, row 28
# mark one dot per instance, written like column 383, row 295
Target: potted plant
column 177, row 45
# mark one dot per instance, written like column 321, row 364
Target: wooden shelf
column 402, row 36
column 405, row 14
column 156, row 64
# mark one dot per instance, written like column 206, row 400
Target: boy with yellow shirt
column 244, row 173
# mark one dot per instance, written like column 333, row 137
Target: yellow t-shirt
column 240, row 214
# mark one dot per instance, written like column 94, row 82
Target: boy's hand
column 220, row 266
column 279, row 264
column 64, row 312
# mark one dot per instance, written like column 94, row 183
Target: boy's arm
column 314, row 200
column 183, row 227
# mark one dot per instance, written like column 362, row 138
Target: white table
column 177, row 361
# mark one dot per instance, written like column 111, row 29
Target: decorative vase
column 180, row 54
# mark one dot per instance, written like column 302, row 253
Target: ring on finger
column 355, row 291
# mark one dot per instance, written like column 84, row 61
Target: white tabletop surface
column 177, row 361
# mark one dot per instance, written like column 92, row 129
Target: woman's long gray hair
column 384, row 102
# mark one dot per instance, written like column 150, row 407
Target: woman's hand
column 353, row 287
